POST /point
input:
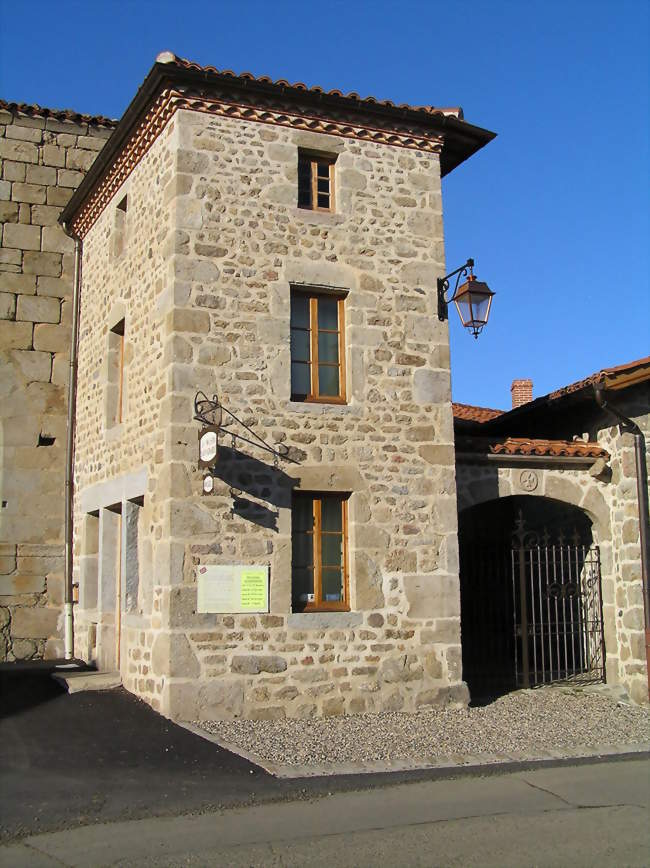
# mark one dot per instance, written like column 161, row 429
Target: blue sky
column 554, row 211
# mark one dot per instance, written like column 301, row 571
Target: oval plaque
column 528, row 480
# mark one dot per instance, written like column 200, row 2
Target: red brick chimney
column 522, row 392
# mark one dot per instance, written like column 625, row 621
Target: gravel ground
column 528, row 720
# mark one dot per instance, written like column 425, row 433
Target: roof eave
column 461, row 139
column 506, row 459
column 128, row 121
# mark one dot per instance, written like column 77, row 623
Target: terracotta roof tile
column 471, row 413
column 531, row 446
column 182, row 63
column 616, row 377
column 38, row 111
column 607, row 376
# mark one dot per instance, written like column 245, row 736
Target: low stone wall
column 43, row 159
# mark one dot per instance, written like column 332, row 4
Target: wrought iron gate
column 558, row 623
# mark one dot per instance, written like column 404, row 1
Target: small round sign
column 208, row 485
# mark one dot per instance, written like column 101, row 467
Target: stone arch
column 564, row 486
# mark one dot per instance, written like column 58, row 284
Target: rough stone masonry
column 43, row 157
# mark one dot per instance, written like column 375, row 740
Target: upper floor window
column 118, row 239
column 319, row 552
column 115, row 384
column 317, row 347
column 315, row 182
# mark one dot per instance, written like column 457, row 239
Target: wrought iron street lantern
column 473, row 299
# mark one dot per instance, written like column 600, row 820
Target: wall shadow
column 255, row 512
column 247, row 475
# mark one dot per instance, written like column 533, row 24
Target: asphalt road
column 99, row 778
column 594, row 815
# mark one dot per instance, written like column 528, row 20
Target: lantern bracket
column 210, row 412
column 443, row 288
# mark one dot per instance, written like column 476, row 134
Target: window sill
column 327, row 218
column 319, row 407
column 114, row 432
column 323, row 620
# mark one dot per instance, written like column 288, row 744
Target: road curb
column 459, row 762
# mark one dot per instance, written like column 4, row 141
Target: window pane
column 302, row 552
column 328, row 313
column 328, row 347
column 300, row 384
column 302, row 581
column 332, row 514
column 332, row 549
column 304, row 183
column 299, row 345
column 323, row 200
column 332, row 585
column 323, row 170
column 328, row 381
column 323, row 185
column 302, row 514
column 300, row 311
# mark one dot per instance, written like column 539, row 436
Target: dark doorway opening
column 530, row 608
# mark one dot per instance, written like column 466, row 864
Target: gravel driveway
column 525, row 722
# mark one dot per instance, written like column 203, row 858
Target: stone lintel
column 329, row 478
column 114, row 490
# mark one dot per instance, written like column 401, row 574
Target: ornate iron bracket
column 210, row 412
column 443, row 288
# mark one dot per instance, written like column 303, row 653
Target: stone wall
column 627, row 659
column 123, row 475
column 43, row 158
column 204, row 290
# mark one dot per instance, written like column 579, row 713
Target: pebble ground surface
column 545, row 719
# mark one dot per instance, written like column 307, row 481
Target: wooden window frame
column 313, row 161
column 314, row 397
column 320, row 605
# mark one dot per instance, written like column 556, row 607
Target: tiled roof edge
column 607, row 376
column 35, row 110
column 473, row 413
column 531, row 446
column 183, row 63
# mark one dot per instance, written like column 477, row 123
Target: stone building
column 565, row 465
column 276, row 246
column 44, row 154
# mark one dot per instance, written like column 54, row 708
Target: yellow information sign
column 231, row 588
column 254, row 589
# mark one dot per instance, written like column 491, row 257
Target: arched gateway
column 531, row 606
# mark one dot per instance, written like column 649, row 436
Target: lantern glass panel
column 473, row 303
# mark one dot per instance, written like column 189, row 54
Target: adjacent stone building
column 567, row 466
column 276, row 246
column 44, row 154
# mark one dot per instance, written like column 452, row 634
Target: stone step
column 75, row 682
